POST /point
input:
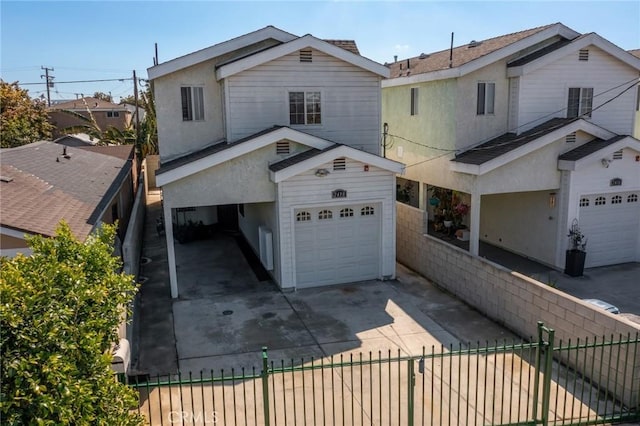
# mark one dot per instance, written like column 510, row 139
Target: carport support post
column 474, row 224
column 265, row 386
column 171, row 252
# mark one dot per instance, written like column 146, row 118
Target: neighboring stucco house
column 106, row 114
column 532, row 130
column 44, row 182
column 284, row 132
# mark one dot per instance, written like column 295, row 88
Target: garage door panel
column 611, row 228
column 340, row 249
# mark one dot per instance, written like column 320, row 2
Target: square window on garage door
column 367, row 211
column 303, row 217
column 584, row 202
column 325, row 214
column 347, row 212
column 633, row 198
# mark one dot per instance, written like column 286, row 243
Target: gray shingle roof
column 298, row 158
column 539, row 53
column 589, row 148
column 209, row 150
column 509, row 141
column 48, row 187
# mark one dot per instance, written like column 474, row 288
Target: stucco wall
column 471, row 127
column 530, row 232
column 514, row 300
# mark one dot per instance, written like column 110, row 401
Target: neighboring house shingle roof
column 589, row 148
column 47, row 187
column 539, row 53
column 349, row 45
column 635, row 52
column 123, row 152
column 509, row 141
column 94, row 104
column 461, row 54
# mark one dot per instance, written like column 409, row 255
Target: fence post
column 536, row 384
column 546, row 386
column 265, row 386
column 411, row 382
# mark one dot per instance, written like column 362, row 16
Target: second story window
column 486, row 98
column 113, row 114
column 192, row 103
column 304, row 108
column 580, row 102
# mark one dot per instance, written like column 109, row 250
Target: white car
column 603, row 305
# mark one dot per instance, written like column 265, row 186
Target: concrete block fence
column 519, row 302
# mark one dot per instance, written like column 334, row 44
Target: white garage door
column 337, row 244
column 611, row 223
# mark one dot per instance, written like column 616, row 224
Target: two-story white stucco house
column 284, row 132
column 532, row 130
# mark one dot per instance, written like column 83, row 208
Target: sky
column 107, row 40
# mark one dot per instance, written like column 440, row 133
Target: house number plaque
column 615, row 182
column 339, row 193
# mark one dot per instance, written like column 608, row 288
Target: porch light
column 552, row 199
column 322, row 172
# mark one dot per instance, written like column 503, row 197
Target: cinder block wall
column 519, row 302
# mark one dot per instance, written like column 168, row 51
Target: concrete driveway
column 225, row 315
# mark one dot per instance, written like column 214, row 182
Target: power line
column 81, row 81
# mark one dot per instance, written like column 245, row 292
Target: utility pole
column 49, row 80
column 135, row 97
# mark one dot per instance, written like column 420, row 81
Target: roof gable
column 594, row 151
column 295, row 45
column 472, row 56
column 269, row 32
column 221, row 152
column 536, row 61
column 509, row 147
column 305, row 161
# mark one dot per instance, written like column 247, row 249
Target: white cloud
column 401, row 48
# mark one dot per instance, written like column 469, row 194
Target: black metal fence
column 584, row 382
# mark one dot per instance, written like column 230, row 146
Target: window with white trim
column 486, row 98
column 600, row 201
column 346, row 212
column 367, row 211
column 580, row 102
column 192, row 103
column 303, row 217
column 414, row 101
column 305, row 108
column 325, row 214
column 584, row 202
column 633, row 198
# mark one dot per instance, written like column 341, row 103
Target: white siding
column 514, row 100
column 258, row 99
column 307, row 190
column 543, row 92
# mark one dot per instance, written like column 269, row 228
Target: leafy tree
column 149, row 126
column 103, row 96
column 59, row 310
column 22, row 120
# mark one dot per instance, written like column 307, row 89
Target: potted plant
column 460, row 210
column 576, row 254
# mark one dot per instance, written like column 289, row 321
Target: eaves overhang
column 580, row 43
column 307, row 41
column 508, row 157
column 234, row 150
column 219, row 49
column 331, row 154
column 607, row 147
column 483, row 61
